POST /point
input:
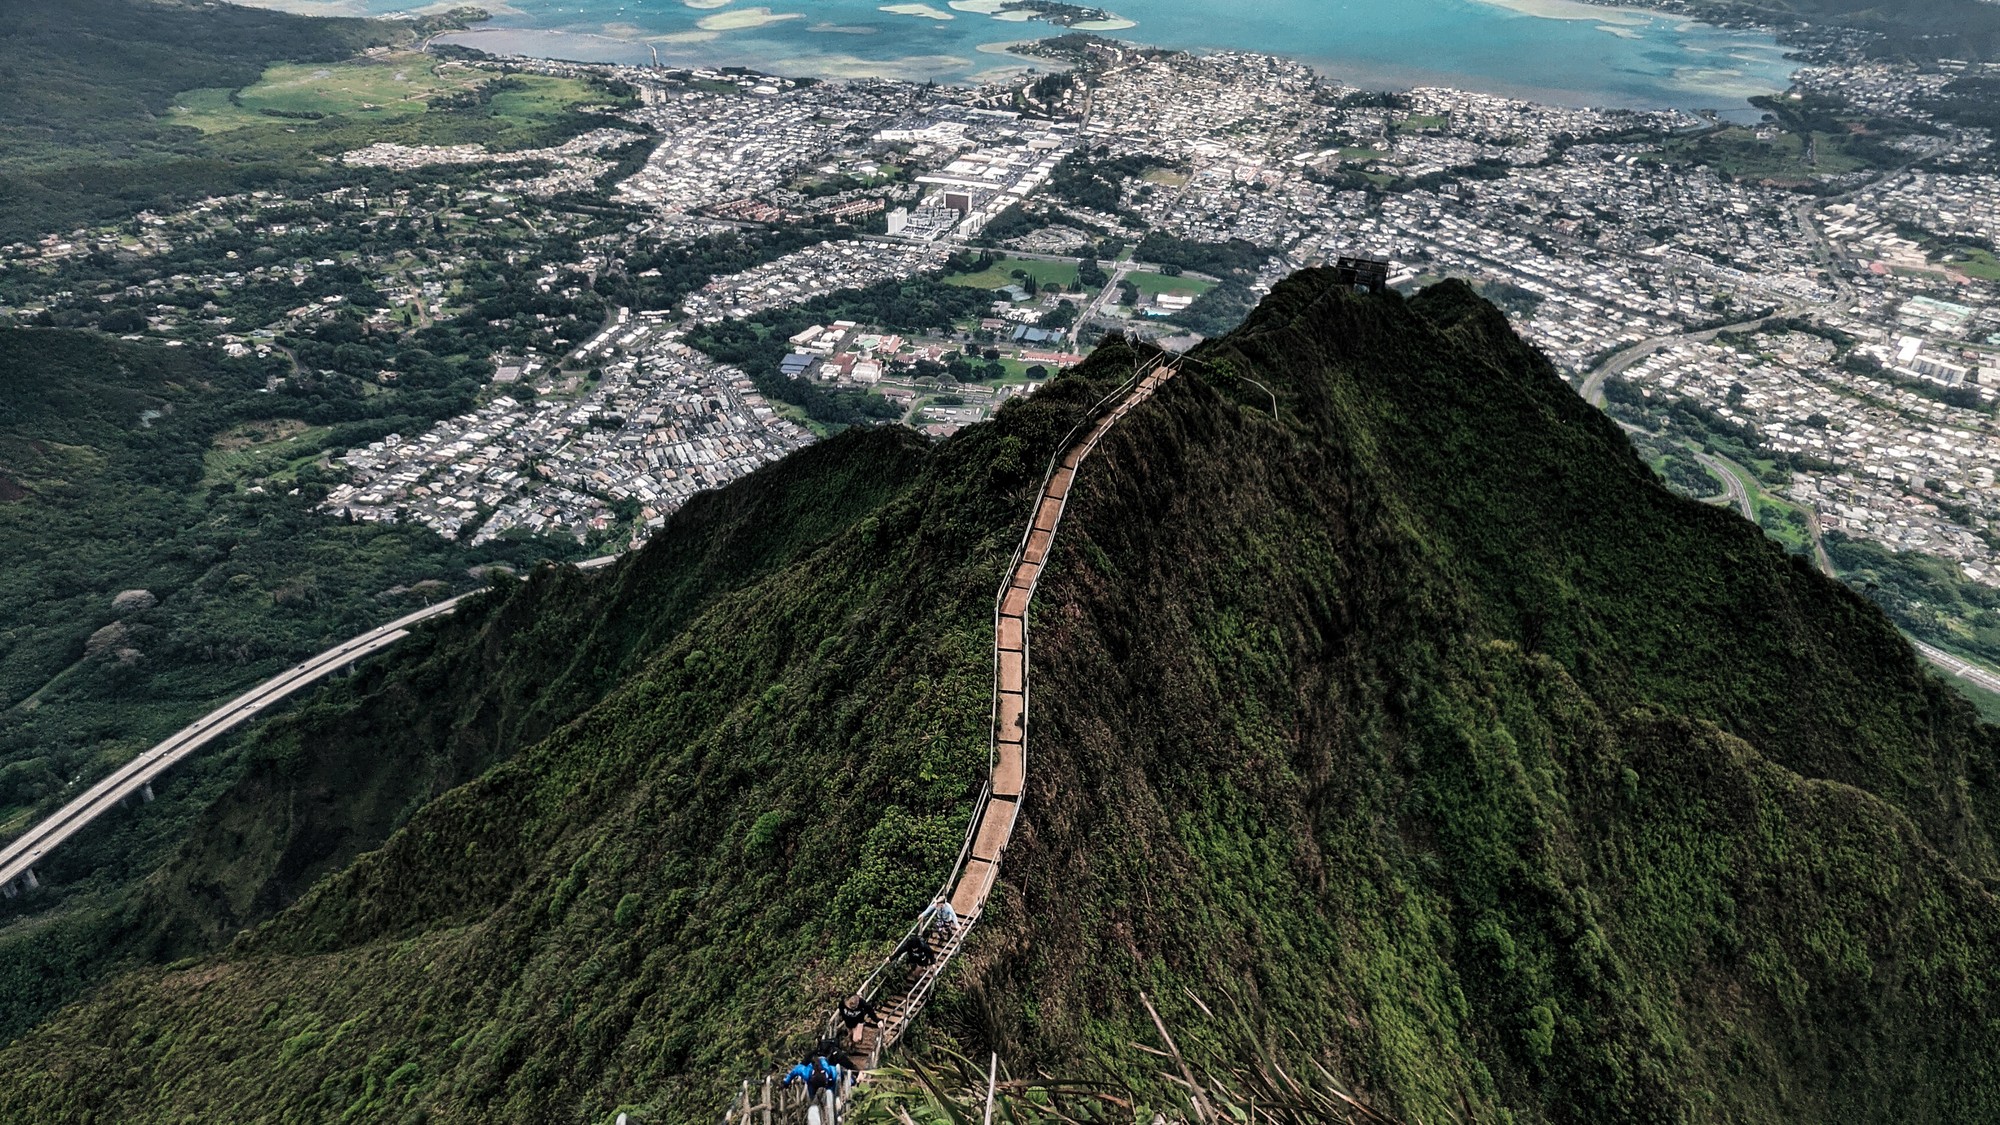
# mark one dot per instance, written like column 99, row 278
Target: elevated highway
column 19, row 856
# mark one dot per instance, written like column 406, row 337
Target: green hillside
column 1420, row 717
column 106, row 453
column 110, row 107
column 1919, row 30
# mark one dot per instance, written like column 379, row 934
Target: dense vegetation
column 1420, row 716
column 312, row 790
column 1924, row 594
column 1920, row 30
column 86, row 92
column 134, row 467
column 1095, row 179
column 1236, row 262
column 85, row 87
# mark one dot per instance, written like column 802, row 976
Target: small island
column 1067, row 15
column 1056, row 12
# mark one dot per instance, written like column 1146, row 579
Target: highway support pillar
column 8, row 889
column 146, row 791
column 28, row 880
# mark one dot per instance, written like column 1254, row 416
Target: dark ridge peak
column 1533, row 507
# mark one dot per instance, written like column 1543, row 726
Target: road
column 1820, row 558
column 1740, row 499
column 1824, row 251
column 34, row 845
column 1593, row 386
column 1940, row 659
column 1593, row 393
column 1731, row 484
column 1957, row 667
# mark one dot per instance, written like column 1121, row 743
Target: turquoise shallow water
column 1551, row 50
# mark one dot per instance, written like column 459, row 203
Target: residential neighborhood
column 1152, row 193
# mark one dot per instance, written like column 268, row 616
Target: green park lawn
column 1017, row 370
column 1738, row 152
column 380, row 87
column 262, row 450
column 1001, row 274
column 1153, row 284
column 1974, row 262
column 298, row 109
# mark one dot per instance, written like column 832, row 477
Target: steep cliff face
column 1415, row 713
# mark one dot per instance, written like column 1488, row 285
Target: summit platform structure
column 1362, row 272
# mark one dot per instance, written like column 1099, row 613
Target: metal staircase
column 899, row 992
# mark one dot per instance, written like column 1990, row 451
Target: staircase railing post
column 992, row 1079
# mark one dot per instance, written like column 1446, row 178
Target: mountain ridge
column 1387, row 714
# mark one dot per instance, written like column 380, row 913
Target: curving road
column 1593, row 385
column 19, row 856
column 1940, row 659
column 1828, row 256
column 1732, row 485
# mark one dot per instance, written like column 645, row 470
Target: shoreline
column 1662, row 60
column 951, row 70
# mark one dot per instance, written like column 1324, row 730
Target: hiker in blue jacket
column 823, row 1076
column 801, row 1073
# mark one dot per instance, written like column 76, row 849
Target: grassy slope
column 102, row 447
column 94, row 76
column 103, row 450
column 316, row 788
column 1512, row 784
column 85, row 90
column 108, row 107
column 846, row 688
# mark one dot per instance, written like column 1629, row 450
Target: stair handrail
column 873, row 984
column 1090, row 416
column 927, row 979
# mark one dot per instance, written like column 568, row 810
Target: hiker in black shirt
column 916, row 951
column 854, row 1014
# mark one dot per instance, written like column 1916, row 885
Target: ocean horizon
column 1557, row 51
